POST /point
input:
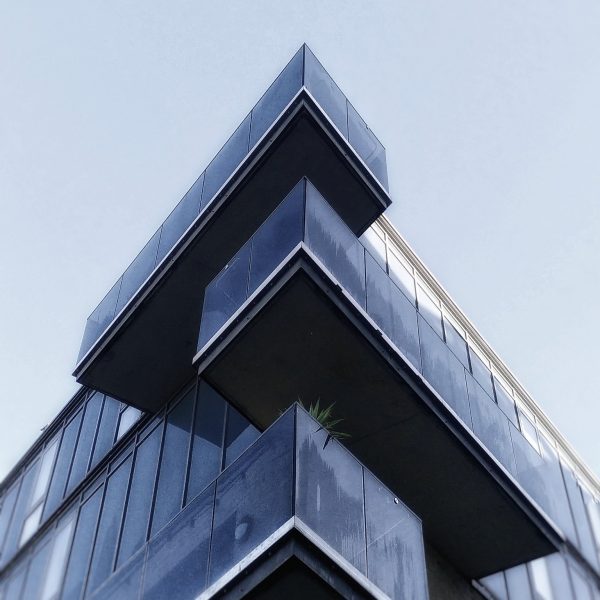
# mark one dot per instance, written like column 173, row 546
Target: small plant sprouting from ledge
column 326, row 420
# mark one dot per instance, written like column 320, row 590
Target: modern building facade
column 184, row 467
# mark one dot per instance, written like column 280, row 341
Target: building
column 184, row 467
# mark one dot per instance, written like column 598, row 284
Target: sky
column 489, row 112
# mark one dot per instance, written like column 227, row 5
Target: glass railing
column 305, row 217
column 289, row 471
column 303, row 70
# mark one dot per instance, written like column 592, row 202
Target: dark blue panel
column 63, row 465
column 276, row 237
column 276, row 98
column 106, row 431
column 226, row 161
column 326, row 92
column 173, row 463
column 580, row 584
column 367, row 146
column 138, row 271
column 444, row 371
column 180, row 219
column 517, row 583
column 36, row 572
column 395, row 556
column 329, row 491
column 490, row 424
column 225, row 294
column 14, row 585
column 86, row 440
column 207, row 442
column 506, row 402
column 6, row 511
column 253, row 498
column 108, row 527
column 497, row 585
column 239, row 434
column 137, row 515
column 178, row 556
column 335, row 245
column 82, row 547
column 392, row 311
column 481, row 373
column 456, row 342
column 126, row 583
column 99, row 320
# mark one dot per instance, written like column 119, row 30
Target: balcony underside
column 303, row 339
column 145, row 355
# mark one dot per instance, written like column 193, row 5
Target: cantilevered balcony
column 304, row 310
column 139, row 341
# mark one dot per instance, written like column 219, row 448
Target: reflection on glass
column 528, row 429
column 540, row 580
column 14, row 585
column 36, row 571
column 505, row 402
column 496, row 584
column 31, row 524
column 559, row 578
column 375, row 245
column 58, row 558
column 402, row 277
column 128, row 419
column 456, row 342
column 430, row 310
column 125, row 583
column 106, row 430
column 481, row 373
column 41, row 485
column 580, row 585
column 239, row 435
column 517, row 583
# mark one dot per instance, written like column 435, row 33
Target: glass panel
column 58, row 559
column 444, row 371
column 326, row 92
column 226, row 161
column 490, row 424
column 178, row 556
column 8, row 504
column 528, row 429
column 129, row 418
column 180, row 219
column 375, row 245
column 63, row 464
column 392, row 312
column 430, row 311
column 207, row 441
column 456, row 342
column 108, row 527
column 82, row 547
column 41, row 485
column 481, row 373
column 540, row 580
column 517, row 583
column 106, row 430
column 240, row 433
column 580, row 585
column 139, row 502
column 593, row 509
column 276, row 237
column 14, row 585
column 19, row 513
column 559, row 578
column 248, row 506
column 225, row 294
column 138, row 271
column 36, row 572
column 31, row 524
column 496, row 584
column 402, row 278
column 395, row 557
column 335, row 245
column 367, row 146
column 329, row 491
column 85, row 441
column 173, row 463
column 126, row 583
column 276, row 98
column 506, row 402
column 100, row 319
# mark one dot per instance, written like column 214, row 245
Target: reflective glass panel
column 106, row 430
column 240, row 433
column 506, row 402
column 375, row 245
column 329, row 491
column 490, row 424
column 6, row 510
column 137, row 514
column 444, row 371
column 528, row 429
column 14, row 585
column 496, row 584
column 402, row 277
column 58, row 559
column 395, row 557
column 456, row 342
column 481, row 373
column 580, row 585
column 335, row 245
column 207, row 442
column 392, row 312
column 276, row 98
column 178, row 556
column 127, row 420
column 36, row 571
column 253, row 497
column 43, row 478
column 126, row 583
column 226, row 161
column 517, row 583
column 540, row 580
column 559, row 577
column 430, row 311
column 173, row 462
column 31, row 524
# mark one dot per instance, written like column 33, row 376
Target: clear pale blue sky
column 489, row 112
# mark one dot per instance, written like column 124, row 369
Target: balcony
column 304, row 310
column 293, row 514
column 138, row 343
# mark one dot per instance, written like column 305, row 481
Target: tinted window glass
column 506, row 402
column 239, row 435
column 481, row 373
column 106, row 430
column 430, row 311
column 456, row 342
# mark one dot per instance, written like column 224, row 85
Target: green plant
column 326, row 420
